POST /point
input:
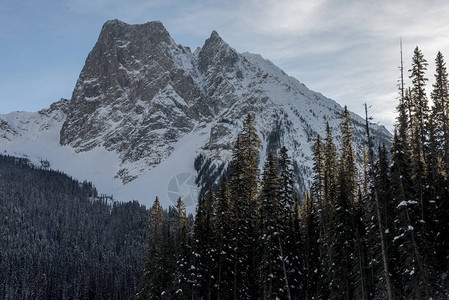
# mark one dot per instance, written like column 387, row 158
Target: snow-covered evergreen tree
column 312, row 273
column 273, row 279
column 153, row 278
column 244, row 191
column 224, row 231
column 342, row 226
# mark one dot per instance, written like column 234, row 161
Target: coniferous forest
column 369, row 228
column 373, row 225
column 60, row 240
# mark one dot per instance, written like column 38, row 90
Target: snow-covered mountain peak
column 215, row 41
column 216, row 53
column 145, row 109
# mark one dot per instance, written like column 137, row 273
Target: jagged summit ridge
column 118, row 27
column 216, row 52
column 155, row 107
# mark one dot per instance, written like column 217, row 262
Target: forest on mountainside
column 60, row 240
column 377, row 228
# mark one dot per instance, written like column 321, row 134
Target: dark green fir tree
column 152, row 284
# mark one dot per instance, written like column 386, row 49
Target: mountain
column 150, row 117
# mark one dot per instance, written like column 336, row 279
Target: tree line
column 374, row 228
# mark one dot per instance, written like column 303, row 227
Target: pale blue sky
column 347, row 50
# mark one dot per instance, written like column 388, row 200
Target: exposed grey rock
column 6, row 130
column 135, row 81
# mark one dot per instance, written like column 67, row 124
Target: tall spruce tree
column 409, row 240
column 181, row 277
column 273, row 279
column 330, row 167
column 326, row 211
column 288, row 197
column 224, row 231
column 205, row 246
column 419, row 129
column 152, row 284
column 244, row 191
column 310, row 248
column 201, row 242
column 438, row 163
column 438, row 168
column 420, row 106
column 212, row 253
column 287, row 189
column 343, row 231
column 347, row 163
column 316, row 212
column 377, row 217
column 318, row 185
column 440, row 109
column 437, row 193
column 296, row 261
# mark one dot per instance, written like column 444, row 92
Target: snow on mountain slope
column 149, row 117
column 37, row 138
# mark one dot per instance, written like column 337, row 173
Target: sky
column 347, row 50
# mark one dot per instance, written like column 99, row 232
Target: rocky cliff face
column 142, row 96
column 135, row 95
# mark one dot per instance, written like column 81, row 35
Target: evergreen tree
column 330, row 168
column 439, row 162
column 378, row 216
column 212, row 251
column 419, row 130
column 318, row 185
column 437, row 193
column 152, row 282
column 420, row 107
column 181, row 279
column 387, row 207
column 181, row 224
column 200, row 242
column 364, row 181
column 403, row 123
column 326, row 210
column 409, row 240
column 224, row 232
column 362, row 277
column 287, row 198
column 440, row 109
column 296, row 259
column 244, row 191
column 347, row 164
column 168, row 253
column 310, row 248
column 204, row 246
column 316, row 212
column 287, row 191
column 342, row 231
column 273, row 273
column 383, row 189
